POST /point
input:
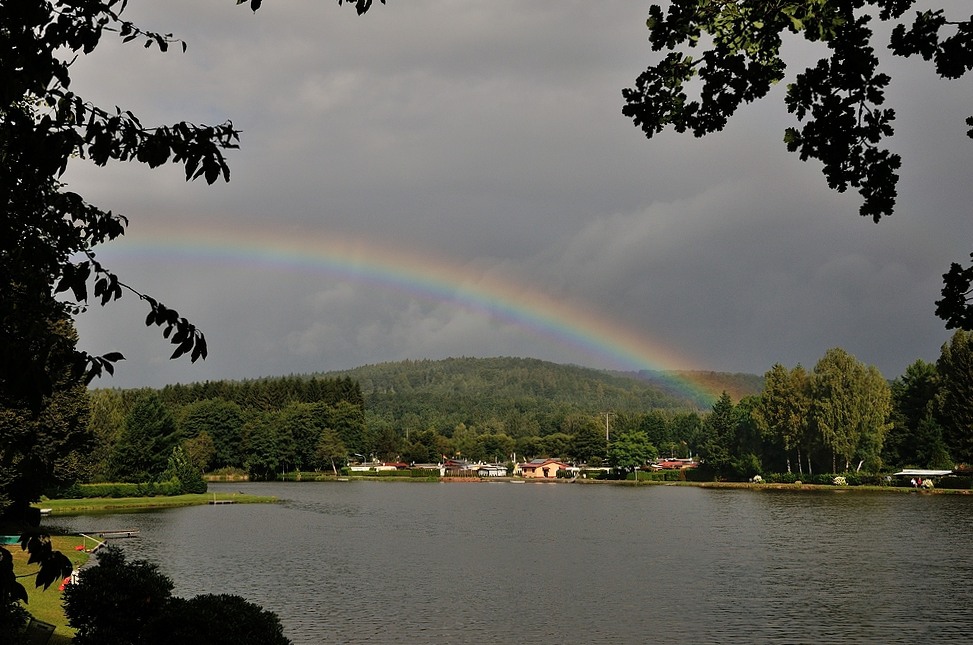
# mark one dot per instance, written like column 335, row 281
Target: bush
column 227, row 473
column 184, row 472
column 660, row 475
column 122, row 489
column 121, row 603
column 594, row 474
column 113, row 602
column 211, row 619
column 13, row 622
column 828, row 479
column 956, row 482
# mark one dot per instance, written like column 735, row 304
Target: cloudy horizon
column 487, row 139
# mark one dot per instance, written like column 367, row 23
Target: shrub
column 13, row 622
column 660, row 475
column 184, row 473
column 113, row 602
column 211, row 619
column 121, row 603
column 956, row 482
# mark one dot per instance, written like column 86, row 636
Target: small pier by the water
column 114, row 534
column 100, row 538
column 220, row 502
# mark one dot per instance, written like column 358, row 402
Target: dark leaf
column 56, row 567
column 18, row 592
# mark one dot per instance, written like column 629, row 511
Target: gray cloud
column 489, row 134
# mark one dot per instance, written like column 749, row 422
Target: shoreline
column 60, row 507
column 121, row 504
column 642, row 483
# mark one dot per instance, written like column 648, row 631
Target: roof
column 537, row 463
column 918, row 472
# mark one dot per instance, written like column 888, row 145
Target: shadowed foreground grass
column 45, row 604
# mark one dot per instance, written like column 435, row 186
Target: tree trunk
column 800, row 464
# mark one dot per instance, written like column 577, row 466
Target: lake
column 380, row 562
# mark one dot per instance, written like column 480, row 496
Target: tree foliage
column 719, row 431
column 115, row 601
column 122, row 602
column 48, row 233
column 630, row 450
column 47, row 446
column 783, row 407
column 221, row 421
column 146, row 442
column 732, row 51
column 851, row 404
column 916, row 437
column 955, row 409
column 204, row 620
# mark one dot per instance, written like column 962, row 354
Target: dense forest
column 474, row 390
column 840, row 416
column 415, row 411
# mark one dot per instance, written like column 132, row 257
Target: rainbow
column 425, row 276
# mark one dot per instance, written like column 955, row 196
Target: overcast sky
column 481, row 142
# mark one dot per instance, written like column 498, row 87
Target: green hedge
column 827, row 479
column 958, row 482
column 121, row 489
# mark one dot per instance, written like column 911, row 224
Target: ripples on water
column 364, row 562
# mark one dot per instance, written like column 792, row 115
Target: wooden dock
column 111, row 534
column 220, row 502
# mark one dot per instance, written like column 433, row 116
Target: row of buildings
column 541, row 468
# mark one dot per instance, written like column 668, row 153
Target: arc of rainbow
column 427, row 277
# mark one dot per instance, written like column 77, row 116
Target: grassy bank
column 102, row 504
column 904, row 490
column 45, row 604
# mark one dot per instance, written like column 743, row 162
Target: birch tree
column 783, row 409
column 850, row 408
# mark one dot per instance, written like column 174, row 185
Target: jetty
column 112, row 534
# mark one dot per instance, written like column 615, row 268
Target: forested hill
column 484, row 388
column 737, row 385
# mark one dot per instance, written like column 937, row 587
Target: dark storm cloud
column 490, row 133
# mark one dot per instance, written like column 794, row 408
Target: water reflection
column 366, row 562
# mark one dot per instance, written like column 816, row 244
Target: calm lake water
column 374, row 562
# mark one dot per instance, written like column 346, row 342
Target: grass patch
column 101, row 504
column 45, row 604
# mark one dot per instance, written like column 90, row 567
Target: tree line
column 263, row 427
column 842, row 416
column 839, row 416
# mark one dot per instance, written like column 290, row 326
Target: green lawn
column 95, row 504
column 45, row 604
